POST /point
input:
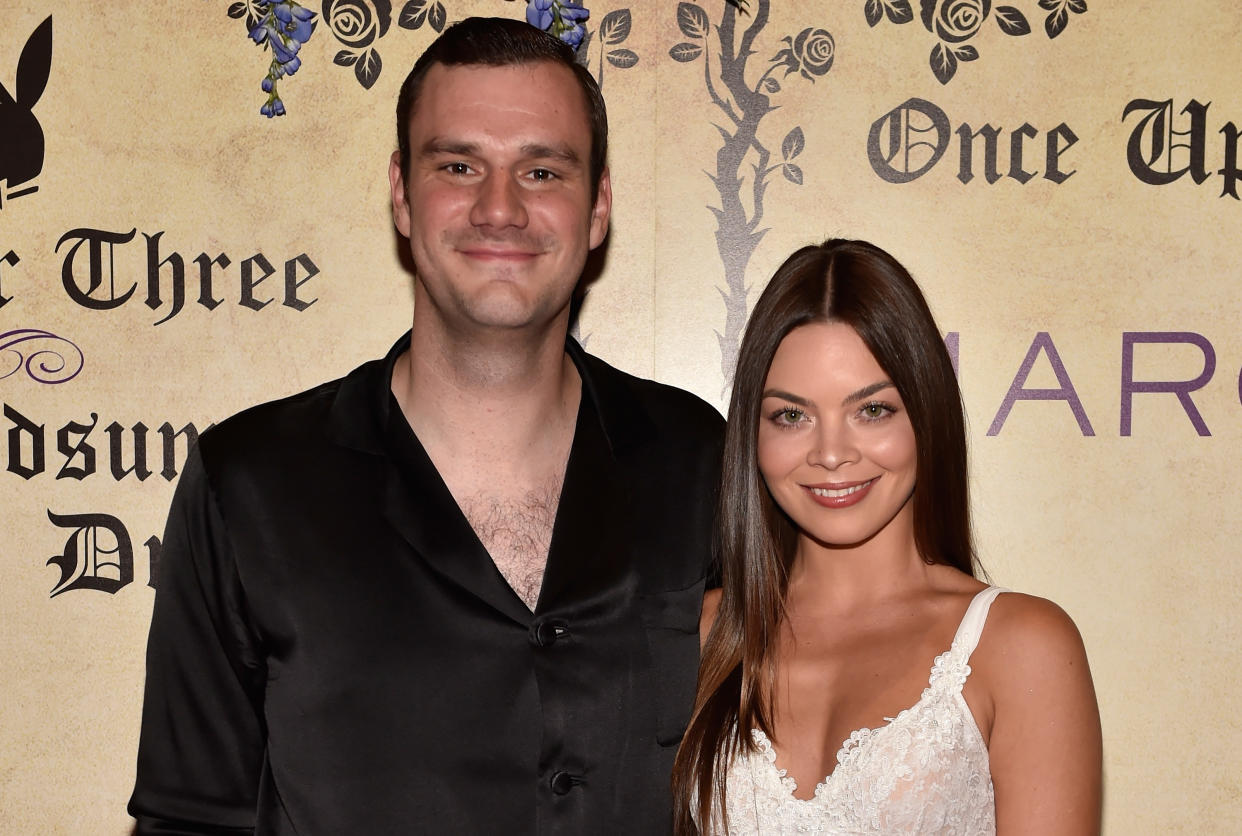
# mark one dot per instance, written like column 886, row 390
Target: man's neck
column 507, row 391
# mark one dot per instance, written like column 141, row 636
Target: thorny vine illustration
column 743, row 156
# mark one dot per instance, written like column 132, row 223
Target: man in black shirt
column 456, row 591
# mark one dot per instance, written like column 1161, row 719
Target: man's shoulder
column 307, row 417
column 667, row 406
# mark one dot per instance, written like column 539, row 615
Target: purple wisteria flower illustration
column 282, row 26
column 562, row 18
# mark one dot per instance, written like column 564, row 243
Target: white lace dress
column 925, row 771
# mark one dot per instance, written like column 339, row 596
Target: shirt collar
column 363, row 404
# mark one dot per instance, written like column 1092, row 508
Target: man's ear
column 400, row 202
column 602, row 210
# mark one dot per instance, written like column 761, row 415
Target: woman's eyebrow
column 866, row 392
column 788, row 396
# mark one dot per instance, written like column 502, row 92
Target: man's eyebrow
column 866, row 392
column 787, row 396
column 439, row 145
column 560, row 153
column 533, row 150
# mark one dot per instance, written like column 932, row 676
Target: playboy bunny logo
column 21, row 137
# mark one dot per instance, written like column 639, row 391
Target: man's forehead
column 543, row 76
column 469, row 95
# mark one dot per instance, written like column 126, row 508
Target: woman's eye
column 875, row 410
column 789, row 415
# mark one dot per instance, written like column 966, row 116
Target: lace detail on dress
column 924, row 771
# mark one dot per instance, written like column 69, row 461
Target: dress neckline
column 949, row 669
column 850, row 747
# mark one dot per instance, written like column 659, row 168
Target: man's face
column 497, row 203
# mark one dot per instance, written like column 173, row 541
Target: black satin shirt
column 333, row 651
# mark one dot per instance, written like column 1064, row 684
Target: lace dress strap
column 968, row 632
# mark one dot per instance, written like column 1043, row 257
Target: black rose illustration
column 954, row 21
column 357, row 23
column 815, row 50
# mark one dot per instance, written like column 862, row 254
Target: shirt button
column 562, row 783
column 546, row 633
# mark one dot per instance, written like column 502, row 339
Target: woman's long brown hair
column 859, row 284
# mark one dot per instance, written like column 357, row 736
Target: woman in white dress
column 856, row 675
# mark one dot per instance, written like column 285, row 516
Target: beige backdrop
column 151, row 120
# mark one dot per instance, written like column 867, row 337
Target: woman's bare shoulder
column 1031, row 630
column 711, row 605
column 1031, row 647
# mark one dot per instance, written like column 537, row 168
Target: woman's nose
column 833, row 446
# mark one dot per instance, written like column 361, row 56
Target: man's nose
column 499, row 202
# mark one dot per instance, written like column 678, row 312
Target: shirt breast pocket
column 671, row 621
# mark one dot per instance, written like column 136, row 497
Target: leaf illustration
column 965, row 52
column 34, row 65
column 622, row 58
column 1012, row 21
column 368, row 68
column 344, row 58
column 685, row 52
column 615, row 27
column 1055, row 23
column 793, row 144
column 437, row 17
column 237, row 10
column 413, row 15
column 1078, row 6
column 874, row 10
column 899, row 11
column 771, row 85
column 692, row 20
column 1050, row 5
column 943, row 63
column 792, row 173
column 786, row 58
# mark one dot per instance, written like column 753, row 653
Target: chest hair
column 517, row 531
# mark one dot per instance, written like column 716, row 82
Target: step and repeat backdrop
column 191, row 223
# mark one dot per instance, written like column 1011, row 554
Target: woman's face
column 836, row 447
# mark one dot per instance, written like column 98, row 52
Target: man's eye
column 542, row 175
column 457, row 168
